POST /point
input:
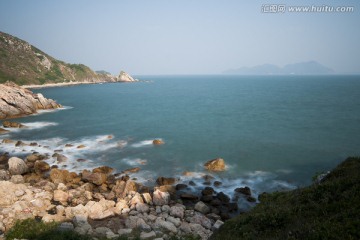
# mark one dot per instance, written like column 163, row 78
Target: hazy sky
column 185, row 36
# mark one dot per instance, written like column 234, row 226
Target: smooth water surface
column 273, row 131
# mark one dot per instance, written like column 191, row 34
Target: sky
column 146, row 37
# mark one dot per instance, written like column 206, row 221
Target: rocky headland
column 16, row 101
column 24, row 64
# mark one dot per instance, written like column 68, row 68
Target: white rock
column 17, row 166
column 217, row 225
column 147, row 198
column 101, row 209
column 62, row 187
column 161, row 198
column 124, row 77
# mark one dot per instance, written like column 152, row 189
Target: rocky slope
column 16, row 101
column 25, row 64
column 97, row 202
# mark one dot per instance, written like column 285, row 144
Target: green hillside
column 23, row 63
column 329, row 210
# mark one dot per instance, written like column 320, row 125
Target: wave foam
column 142, row 143
column 73, row 150
column 134, row 162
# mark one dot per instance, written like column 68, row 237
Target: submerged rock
column 217, row 164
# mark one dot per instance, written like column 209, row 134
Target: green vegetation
column 32, row 229
column 329, row 210
column 25, row 64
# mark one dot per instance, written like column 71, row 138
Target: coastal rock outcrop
column 16, row 101
column 125, row 77
column 217, row 164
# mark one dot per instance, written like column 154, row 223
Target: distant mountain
column 303, row 68
column 23, row 63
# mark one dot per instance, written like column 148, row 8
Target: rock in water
column 165, row 181
column 125, row 77
column 16, row 101
column 217, row 164
column 158, row 142
column 17, row 166
column 3, row 131
column 8, row 124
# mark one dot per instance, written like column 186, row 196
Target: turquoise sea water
column 273, row 131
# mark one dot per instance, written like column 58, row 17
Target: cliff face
column 16, row 101
column 23, row 64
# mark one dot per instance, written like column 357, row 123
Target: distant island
column 25, row 64
column 302, row 68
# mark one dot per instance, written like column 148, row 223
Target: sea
column 274, row 132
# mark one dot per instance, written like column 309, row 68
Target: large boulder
column 35, row 157
column 61, row 196
column 202, row 207
column 41, row 166
column 243, row 190
column 161, row 198
column 59, row 176
column 96, row 178
column 100, row 210
column 165, row 181
column 17, row 166
column 104, row 169
column 217, row 164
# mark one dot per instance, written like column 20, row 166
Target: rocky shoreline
column 16, row 101
column 104, row 203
